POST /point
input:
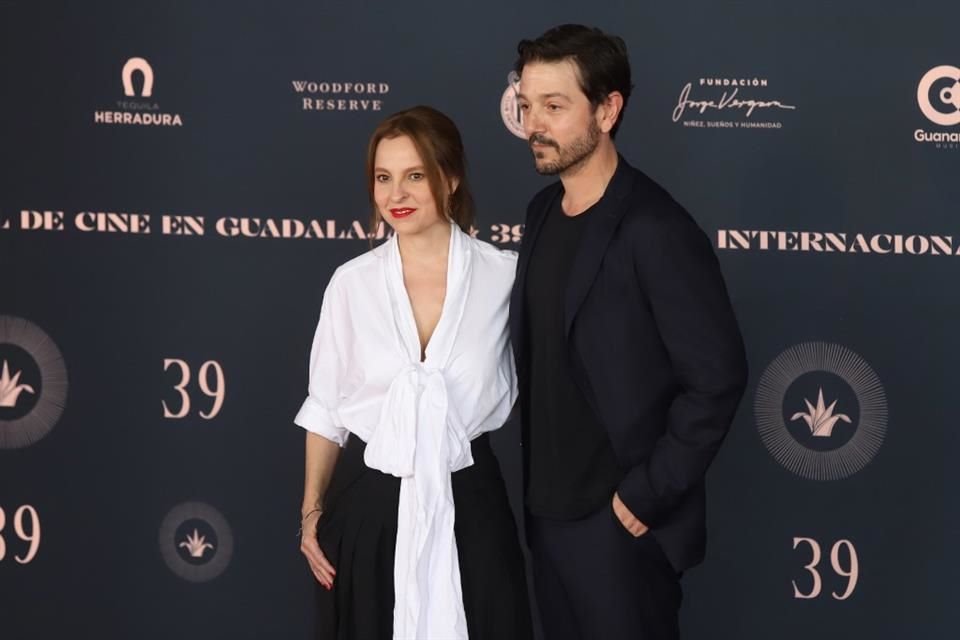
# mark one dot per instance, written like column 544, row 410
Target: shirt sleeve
column 319, row 411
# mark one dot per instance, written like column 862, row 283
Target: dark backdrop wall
column 164, row 246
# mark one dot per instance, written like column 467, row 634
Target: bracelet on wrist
column 309, row 513
column 304, row 518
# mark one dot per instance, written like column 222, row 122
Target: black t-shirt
column 572, row 467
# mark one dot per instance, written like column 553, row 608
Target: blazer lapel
column 597, row 235
column 517, row 307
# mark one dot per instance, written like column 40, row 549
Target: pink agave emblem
column 10, row 388
column 196, row 544
column 821, row 419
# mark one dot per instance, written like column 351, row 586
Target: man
column 630, row 360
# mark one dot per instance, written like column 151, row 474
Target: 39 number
column 30, row 534
column 849, row 569
column 217, row 391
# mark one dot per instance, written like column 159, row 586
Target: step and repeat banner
column 179, row 181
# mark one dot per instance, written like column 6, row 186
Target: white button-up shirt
column 417, row 418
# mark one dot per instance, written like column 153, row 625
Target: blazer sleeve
column 681, row 278
column 319, row 411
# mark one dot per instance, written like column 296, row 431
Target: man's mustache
column 538, row 138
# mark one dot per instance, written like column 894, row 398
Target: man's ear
column 608, row 111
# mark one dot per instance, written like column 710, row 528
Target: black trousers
column 358, row 533
column 594, row 580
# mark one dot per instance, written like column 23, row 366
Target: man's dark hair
column 601, row 60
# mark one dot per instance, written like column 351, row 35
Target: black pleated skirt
column 358, row 532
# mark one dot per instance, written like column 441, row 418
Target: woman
column 405, row 517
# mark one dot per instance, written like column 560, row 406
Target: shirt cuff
column 317, row 419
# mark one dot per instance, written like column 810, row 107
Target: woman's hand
column 322, row 570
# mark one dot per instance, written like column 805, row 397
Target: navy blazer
column 653, row 344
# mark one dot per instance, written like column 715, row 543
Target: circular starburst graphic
column 196, row 542
column 33, row 383
column 821, row 411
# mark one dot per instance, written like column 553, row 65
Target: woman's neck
column 427, row 245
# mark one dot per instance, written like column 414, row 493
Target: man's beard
column 573, row 154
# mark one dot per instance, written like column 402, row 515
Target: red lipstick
column 401, row 212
